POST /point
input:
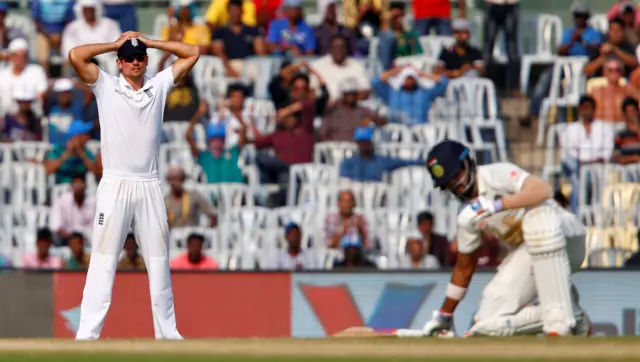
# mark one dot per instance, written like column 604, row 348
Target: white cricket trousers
column 121, row 204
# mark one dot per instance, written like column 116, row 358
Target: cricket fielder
column 131, row 108
column 532, row 291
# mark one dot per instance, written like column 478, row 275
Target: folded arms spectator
column 395, row 41
column 236, row 41
column 461, row 59
column 366, row 166
column 75, row 158
column 194, row 258
column 627, row 141
column 291, row 35
column 184, row 207
column 408, row 100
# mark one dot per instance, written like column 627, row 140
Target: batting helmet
column 446, row 161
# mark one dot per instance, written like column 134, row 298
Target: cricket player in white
column 131, row 108
column 532, row 291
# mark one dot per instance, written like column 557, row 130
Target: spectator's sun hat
column 460, row 25
column 629, row 6
column 17, row 45
column 23, row 94
column 290, row 226
column 580, row 8
column 216, row 130
column 132, row 47
column 78, row 127
column 348, row 85
column 63, row 85
column 363, row 134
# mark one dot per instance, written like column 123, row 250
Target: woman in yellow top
column 183, row 28
column 218, row 15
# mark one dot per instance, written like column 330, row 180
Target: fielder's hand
column 440, row 322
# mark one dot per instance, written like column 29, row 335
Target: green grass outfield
column 325, row 350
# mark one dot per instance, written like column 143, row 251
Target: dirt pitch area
column 384, row 348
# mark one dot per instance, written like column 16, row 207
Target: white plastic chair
column 178, row 239
column 176, row 132
column 29, row 184
column 226, row 195
column 175, row 154
column 432, row 44
column 567, row 84
column 30, row 151
column 599, row 22
column 333, row 152
column 249, row 218
column 549, row 36
column 207, row 71
column 475, row 97
column 32, row 218
column 309, row 173
column 431, row 133
column 394, row 132
column 402, row 151
column 27, row 27
column 553, row 144
column 368, row 195
column 620, row 203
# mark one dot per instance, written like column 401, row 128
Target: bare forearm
column 531, row 195
column 181, row 50
column 461, row 277
column 84, row 53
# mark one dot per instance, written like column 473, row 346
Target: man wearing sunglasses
column 131, row 108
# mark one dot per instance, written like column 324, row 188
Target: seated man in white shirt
column 416, row 257
column 73, row 211
column 293, row 257
column 91, row 26
column 584, row 142
column 31, row 78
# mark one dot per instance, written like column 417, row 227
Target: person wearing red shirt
column 435, row 14
column 194, row 258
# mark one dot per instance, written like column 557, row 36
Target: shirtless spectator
column 614, row 45
column 610, row 97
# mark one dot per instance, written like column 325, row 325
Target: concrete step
column 527, row 156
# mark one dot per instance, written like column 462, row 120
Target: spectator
column 50, row 18
column 79, row 257
column 627, row 141
column 435, row 14
column 7, row 33
column 489, row 254
column 74, row 158
column 587, row 141
column 329, row 29
column 617, row 9
column 610, row 96
column 407, row 99
column 41, row 258
column 434, row 244
column 301, row 100
column 346, row 228
column 131, row 260
column 194, row 258
column 341, row 121
column 184, row 207
column 233, row 114
column 72, row 211
column 279, row 86
column 291, row 35
column 267, row 11
column 336, row 66
column 23, row 125
column 395, row 41
column 90, row 26
column 65, row 102
column 615, row 46
column 578, row 40
column 20, row 74
column 293, row 257
column 364, row 15
column 122, row 11
column 366, row 166
column 353, row 258
column 627, row 14
column 461, row 59
column 499, row 14
column 235, row 42
column 218, row 13
column 183, row 101
column 183, row 28
column 217, row 163
column 417, row 257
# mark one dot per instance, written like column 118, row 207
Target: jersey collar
column 123, row 82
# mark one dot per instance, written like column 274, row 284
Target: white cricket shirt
column 497, row 180
column 131, row 124
column 33, row 79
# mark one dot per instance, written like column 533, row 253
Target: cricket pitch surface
column 328, row 349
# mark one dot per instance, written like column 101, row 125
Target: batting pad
column 528, row 321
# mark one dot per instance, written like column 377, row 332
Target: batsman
column 532, row 292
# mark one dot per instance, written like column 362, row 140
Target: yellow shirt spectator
column 195, row 34
column 218, row 15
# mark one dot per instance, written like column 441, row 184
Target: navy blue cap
column 290, row 226
column 445, row 160
column 132, row 47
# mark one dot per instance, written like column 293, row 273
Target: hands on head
column 131, row 35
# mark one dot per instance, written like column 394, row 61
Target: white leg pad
column 546, row 244
column 528, row 321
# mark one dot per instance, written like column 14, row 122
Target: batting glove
column 438, row 323
column 485, row 207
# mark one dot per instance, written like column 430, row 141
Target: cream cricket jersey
column 131, row 124
column 497, row 180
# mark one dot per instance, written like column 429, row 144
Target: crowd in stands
column 348, row 80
